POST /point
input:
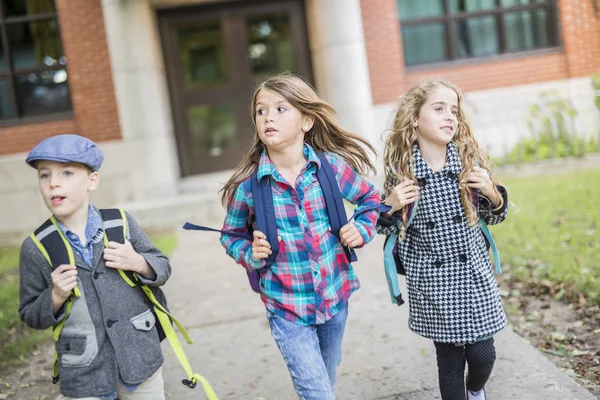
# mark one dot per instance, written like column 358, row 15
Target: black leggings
column 480, row 356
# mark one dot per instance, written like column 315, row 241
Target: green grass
column 555, row 235
column 18, row 341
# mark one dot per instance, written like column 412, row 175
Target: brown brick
column 90, row 82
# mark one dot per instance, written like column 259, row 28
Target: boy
column 109, row 344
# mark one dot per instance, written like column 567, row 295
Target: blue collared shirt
column 94, row 232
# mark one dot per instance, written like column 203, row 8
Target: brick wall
column 90, row 82
column 579, row 56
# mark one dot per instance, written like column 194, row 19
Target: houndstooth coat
column 452, row 291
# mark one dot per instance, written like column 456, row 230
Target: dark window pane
column 35, row 44
column 5, row 102
column 424, row 43
column 2, row 58
column 202, row 54
column 43, row 92
column 270, row 47
column 414, row 9
column 14, row 8
column 513, row 3
column 527, row 30
column 477, row 37
column 212, row 129
column 460, row 6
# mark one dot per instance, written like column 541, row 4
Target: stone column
column 142, row 99
column 340, row 66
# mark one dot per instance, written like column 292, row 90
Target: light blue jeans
column 312, row 353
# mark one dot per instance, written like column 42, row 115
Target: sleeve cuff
column 486, row 204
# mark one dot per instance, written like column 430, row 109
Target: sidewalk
column 382, row 358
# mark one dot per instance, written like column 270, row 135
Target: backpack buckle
column 399, row 300
column 55, row 379
column 189, row 383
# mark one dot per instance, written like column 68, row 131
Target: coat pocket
column 74, row 345
column 144, row 321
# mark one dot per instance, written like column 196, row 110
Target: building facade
column 164, row 85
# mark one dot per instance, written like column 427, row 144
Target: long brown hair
column 325, row 135
column 398, row 159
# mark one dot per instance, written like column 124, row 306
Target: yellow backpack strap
column 115, row 229
column 57, row 250
column 165, row 318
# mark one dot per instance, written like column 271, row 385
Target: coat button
column 68, row 346
column 96, row 275
column 430, row 224
column 458, row 218
column 110, row 322
column 437, row 263
column 462, row 258
column 147, row 324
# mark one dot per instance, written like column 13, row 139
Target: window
column 33, row 74
column 445, row 30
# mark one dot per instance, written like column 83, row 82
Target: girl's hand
column 405, row 193
column 350, row 236
column 260, row 247
column 479, row 178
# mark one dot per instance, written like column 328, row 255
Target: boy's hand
column 350, row 236
column 64, row 279
column 405, row 193
column 479, row 178
column 124, row 257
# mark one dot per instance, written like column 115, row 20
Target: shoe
column 480, row 395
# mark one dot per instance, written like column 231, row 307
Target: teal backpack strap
column 490, row 239
column 391, row 272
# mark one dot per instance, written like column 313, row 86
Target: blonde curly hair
column 398, row 158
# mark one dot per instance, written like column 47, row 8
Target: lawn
column 555, row 233
column 17, row 339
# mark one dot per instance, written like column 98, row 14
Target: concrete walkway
column 382, row 358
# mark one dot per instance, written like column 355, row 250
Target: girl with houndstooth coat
column 432, row 155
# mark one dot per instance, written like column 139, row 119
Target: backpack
column 264, row 211
column 57, row 250
column 391, row 258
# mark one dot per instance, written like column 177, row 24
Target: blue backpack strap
column 333, row 201
column 193, row 227
column 264, row 210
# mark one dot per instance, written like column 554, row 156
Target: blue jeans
column 312, row 353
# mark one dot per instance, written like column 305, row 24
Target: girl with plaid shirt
column 306, row 289
column 432, row 156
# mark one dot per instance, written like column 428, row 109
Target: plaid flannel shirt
column 311, row 278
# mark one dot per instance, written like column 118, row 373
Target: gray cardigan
column 111, row 329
